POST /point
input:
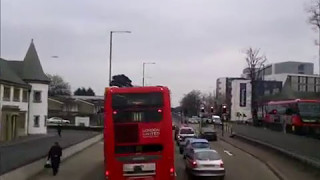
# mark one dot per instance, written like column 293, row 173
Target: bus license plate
column 142, row 167
column 141, row 178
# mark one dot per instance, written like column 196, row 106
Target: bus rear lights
column 159, row 110
column 107, row 174
column 114, row 112
column 171, row 170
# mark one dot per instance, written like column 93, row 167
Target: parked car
column 57, row 120
column 184, row 132
column 204, row 162
column 208, row 134
column 195, row 144
column 183, row 143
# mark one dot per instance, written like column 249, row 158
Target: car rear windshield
column 125, row 100
column 199, row 145
column 207, row 155
column 186, row 131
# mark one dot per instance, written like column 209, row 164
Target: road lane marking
column 227, row 152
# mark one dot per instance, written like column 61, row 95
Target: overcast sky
column 192, row 42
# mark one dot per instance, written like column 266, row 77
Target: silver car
column 204, row 162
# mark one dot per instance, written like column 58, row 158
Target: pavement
column 28, row 149
column 304, row 148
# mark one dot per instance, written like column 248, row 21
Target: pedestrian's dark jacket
column 55, row 152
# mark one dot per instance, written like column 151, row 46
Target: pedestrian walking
column 59, row 130
column 54, row 156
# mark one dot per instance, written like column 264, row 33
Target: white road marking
column 229, row 153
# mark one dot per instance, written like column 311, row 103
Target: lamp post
column 110, row 55
column 143, row 70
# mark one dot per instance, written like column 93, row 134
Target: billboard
column 243, row 94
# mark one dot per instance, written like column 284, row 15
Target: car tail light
column 159, row 110
column 221, row 165
column 194, row 164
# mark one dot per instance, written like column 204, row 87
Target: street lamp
column 144, row 64
column 110, row 57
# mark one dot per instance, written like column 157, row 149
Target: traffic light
column 224, row 109
column 202, row 109
column 211, row 109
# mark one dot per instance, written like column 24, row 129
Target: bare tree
column 314, row 19
column 255, row 63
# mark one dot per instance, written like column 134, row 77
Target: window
column 6, row 93
column 25, row 96
column 302, row 88
column 301, row 69
column 137, row 115
column 275, row 91
column 294, row 79
column 37, row 96
column 317, row 88
column 302, row 80
column 36, row 121
column 45, row 120
column 149, row 148
column 318, row 81
column 295, row 87
column 311, row 80
column 16, row 94
column 207, row 155
column 120, row 101
column 311, row 88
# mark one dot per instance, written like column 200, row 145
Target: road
column 89, row 165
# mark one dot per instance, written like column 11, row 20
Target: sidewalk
column 75, row 168
column 28, row 149
column 284, row 167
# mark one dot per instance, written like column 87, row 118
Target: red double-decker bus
column 297, row 116
column 138, row 143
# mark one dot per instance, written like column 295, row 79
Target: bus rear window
column 122, row 100
column 138, row 149
column 131, row 116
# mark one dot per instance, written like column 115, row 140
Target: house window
column 45, row 120
column 37, row 96
column 16, row 94
column 25, row 96
column 6, row 93
column 36, row 121
column 317, row 88
column 318, row 81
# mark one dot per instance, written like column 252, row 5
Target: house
column 71, row 107
column 23, row 96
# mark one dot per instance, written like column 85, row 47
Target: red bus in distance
column 138, row 143
column 299, row 116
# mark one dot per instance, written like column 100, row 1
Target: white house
column 23, row 96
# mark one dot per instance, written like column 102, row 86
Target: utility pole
column 110, row 51
column 143, row 70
